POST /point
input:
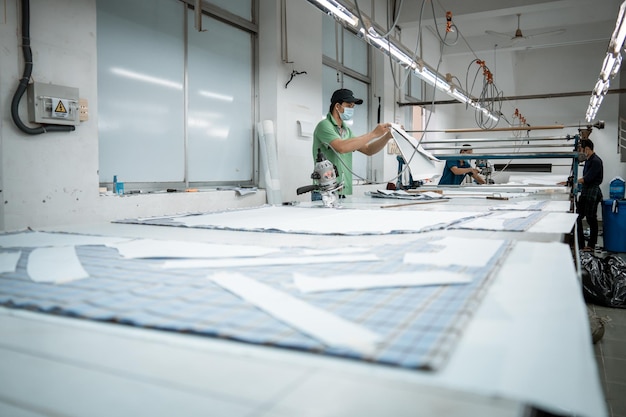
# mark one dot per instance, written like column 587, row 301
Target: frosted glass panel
column 329, row 47
column 355, row 53
column 219, row 129
column 242, row 8
column 140, row 94
column 415, row 87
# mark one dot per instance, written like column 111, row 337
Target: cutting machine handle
column 306, row 189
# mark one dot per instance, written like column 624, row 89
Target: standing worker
column 456, row 169
column 337, row 142
column 590, row 195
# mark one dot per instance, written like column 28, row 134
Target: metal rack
column 505, row 143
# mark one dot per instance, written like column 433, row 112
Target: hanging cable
column 450, row 27
column 23, row 84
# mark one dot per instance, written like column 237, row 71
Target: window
column 175, row 105
column 346, row 65
column 413, row 93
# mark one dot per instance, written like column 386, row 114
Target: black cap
column 345, row 96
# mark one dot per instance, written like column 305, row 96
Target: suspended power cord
column 450, row 28
column 23, row 84
column 294, row 73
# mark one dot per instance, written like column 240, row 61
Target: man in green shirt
column 337, row 142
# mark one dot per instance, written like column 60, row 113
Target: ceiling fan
column 519, row 36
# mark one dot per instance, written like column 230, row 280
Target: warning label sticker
column 60, row 109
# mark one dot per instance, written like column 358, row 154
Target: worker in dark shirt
column 590, row 195
column 456, row 169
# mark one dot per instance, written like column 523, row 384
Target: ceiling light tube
column 433, row 78
column 601, row 87
column 607, row 66
column 459, row 95
column 591, row 114
column 619, row 34
column 386, row 46
column 594, row 106
column 616, row 66
column 610, row 65
column 337, row 10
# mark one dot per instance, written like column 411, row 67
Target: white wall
column 48, row 177
column 302, row 97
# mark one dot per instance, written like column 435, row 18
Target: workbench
column 525, row 345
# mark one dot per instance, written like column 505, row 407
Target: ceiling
column 584, row 21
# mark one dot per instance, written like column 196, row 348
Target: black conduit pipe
column 21, row 88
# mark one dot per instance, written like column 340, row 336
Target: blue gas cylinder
column 616, row 189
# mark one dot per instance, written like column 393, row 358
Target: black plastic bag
column 604, row 280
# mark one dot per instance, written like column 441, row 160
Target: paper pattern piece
column 44, row 239
column 539, row 205
column 284, row 260
column 8, row 261
column 509, row 220
column 457, row 251
column 149, row 248
column 324, row 326
column 309, row 284
column 555, row 223
column 57, row 265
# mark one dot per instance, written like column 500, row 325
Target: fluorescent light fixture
column 338, row 10
column 619, row 34
column 395, row 51
column 389, row 48
column 616, row 66
column 601, row 87
column 594, row 105
column 610, row 66
column 489, row 114
column 459, row 95
column 596, row 101
column 433, row 78
column 607, row 66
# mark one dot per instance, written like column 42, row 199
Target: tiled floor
column 611, row 356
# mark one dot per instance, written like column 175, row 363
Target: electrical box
column 53, row 104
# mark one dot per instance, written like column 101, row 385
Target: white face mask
column 347, row 114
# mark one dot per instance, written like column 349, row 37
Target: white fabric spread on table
column 465, row 252
column 318, row 220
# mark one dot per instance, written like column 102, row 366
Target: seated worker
column 456, row 169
